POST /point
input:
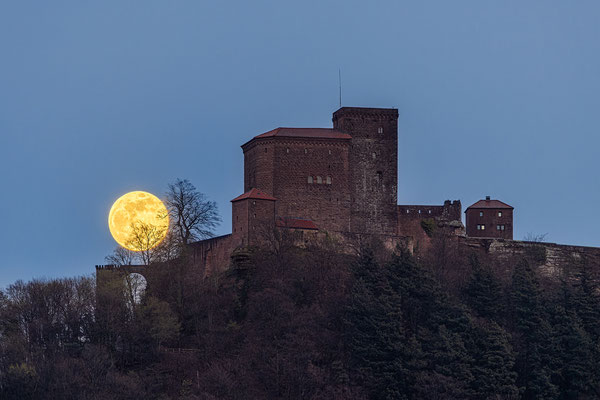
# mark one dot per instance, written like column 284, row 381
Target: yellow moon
column 133, row 210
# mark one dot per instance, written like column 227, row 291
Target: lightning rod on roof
column 340, row 80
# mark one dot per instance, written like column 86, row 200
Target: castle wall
column 212, row 255
column 326, row 204
column 258, row 166
column 550, row 257
column 239, row 223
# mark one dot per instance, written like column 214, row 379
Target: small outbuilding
column 490, row 219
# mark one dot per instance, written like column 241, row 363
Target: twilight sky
column 101, row 98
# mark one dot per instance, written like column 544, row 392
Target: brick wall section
column 212, row 255
column 491, row 220
column 258, row 164
column 250, row 219
column 373, row 167
column 239, row 223
column 327, row 205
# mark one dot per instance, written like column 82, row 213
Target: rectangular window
column 481, row 213
column 483, row 227
column 499, row 213
column 497, row 227
column 502, row 226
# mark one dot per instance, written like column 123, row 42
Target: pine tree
column 441, row 327
column 573, row 353
column 533, row 331
column 483, row 293
column 493, row 371
column 379, row 346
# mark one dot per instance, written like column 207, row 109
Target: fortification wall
column 212, row 255
column 550, row 257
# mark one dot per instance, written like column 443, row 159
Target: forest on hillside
column 309, row 322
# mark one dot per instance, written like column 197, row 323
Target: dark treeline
column 309, row 323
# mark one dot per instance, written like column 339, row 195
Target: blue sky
column 100, row 98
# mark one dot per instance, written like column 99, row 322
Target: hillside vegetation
column 308, row 323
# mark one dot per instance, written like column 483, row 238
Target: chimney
column 487, row 198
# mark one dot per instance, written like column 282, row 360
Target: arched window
column 328, row 180
column 310, row 179
column 319, row 179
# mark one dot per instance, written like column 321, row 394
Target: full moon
column 134, row 210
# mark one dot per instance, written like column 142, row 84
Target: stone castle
column 343, row 181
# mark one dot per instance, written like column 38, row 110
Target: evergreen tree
column 440, row 327
column 483, row 292
column 573, row 355
column 493, row 370
column 379, row 345
column 533, row 331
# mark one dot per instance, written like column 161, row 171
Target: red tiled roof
column 295, row 223
column 489, row 204
column 319, row 133
column 254, row 194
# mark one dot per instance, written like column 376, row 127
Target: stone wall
column 551, row 258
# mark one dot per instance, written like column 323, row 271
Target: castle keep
column 341, row 180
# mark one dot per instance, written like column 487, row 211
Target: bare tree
column 535, row 237
column 121, row 256
column 144, row 239
column 193, row 217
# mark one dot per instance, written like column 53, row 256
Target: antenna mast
column 340, row 80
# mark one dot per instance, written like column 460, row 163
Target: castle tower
column 373, row 167
column 253, row 215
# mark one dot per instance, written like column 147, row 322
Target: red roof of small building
column 489, row 204
column 319, row 133
column 254, row 193
column 295, row 223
